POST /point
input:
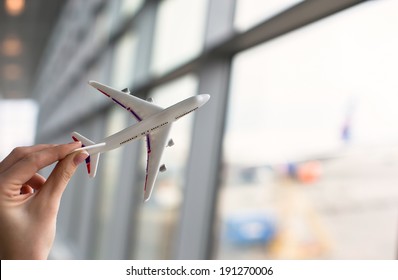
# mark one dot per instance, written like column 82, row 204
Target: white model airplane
column 154, row 123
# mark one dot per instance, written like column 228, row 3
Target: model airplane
column 154, row 123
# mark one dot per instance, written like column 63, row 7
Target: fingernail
column 80, row 157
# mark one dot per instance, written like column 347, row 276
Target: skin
column 29, row 203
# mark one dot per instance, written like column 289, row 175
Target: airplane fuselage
column 153, row 123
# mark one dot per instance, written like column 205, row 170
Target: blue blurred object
column 292, row 169
column 250, row 228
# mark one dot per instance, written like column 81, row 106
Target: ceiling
column 23, row 38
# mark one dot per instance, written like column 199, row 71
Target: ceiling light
column 11, row 46
column 14, row 7
column 12, row 72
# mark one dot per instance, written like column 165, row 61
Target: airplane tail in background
column 93, row 159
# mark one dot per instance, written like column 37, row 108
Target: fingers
column 36, row 182
column 55, row 185
column 26, row 190
column 19, row 153
column 27, row 166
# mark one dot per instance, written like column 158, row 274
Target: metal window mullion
column 194, row 236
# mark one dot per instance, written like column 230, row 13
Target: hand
column 28, row 202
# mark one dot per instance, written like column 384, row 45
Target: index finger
column 19, row 153
column 26, row 167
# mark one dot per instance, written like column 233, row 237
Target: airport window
column 159, row 217
column 310, row 154
column 130, row 7
column 178, row 33
column 20, row 129
column 123, row 61
column 102, row 25
column 251, row 12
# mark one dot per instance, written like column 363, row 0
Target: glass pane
column 251, row 12
column 179, row 33
column 123, row 64
column 17, row 124
column 103, row 24
column 159, row 216
column 129, row 7
column 310, row 148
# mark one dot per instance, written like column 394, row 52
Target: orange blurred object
column 309, row 172
column 11, row 46
column 14, row 7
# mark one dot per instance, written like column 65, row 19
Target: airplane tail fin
column 93, row 159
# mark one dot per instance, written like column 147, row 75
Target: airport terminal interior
column 295, row 156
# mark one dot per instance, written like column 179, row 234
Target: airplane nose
column 204, row 98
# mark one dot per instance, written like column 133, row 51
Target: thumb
column 56, row 183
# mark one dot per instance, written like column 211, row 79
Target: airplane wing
column 138, row 107
column 156, row 142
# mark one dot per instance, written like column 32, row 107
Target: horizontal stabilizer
column 85, row 141
column 93, row 159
